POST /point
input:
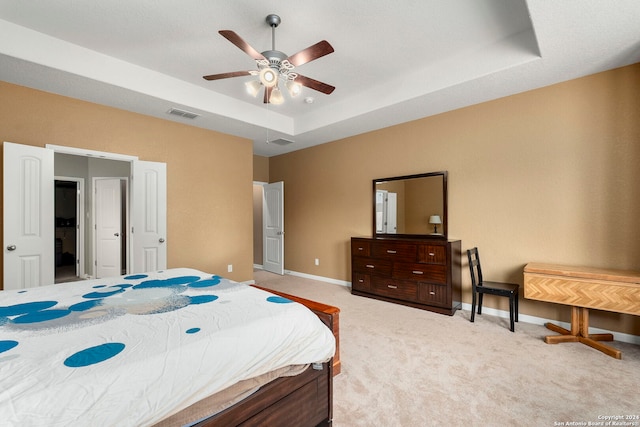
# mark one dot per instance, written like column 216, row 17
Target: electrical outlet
column 230, row 268
column 317, row 261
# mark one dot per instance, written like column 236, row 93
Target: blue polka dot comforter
column 132, row 350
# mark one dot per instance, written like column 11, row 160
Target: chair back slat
column 474, row 267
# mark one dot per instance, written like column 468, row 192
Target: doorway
column 29, row 214
column 69, row 240
column 268, row 223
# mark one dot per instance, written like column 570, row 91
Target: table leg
column 580, row 333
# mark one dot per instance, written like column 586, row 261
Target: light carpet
column 403, row 366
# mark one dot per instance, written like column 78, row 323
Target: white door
column 108, row 227
column 149, row 217
column 273, row 227
column 392, row 213
column 28, row 216
column 381, row 211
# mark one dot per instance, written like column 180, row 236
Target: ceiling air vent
column 281, row 141
column 183, row 113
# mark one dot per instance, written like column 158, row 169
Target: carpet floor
column 403, row 366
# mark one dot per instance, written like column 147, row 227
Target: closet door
column 149, row 217
column 28, row 216
column 108, row 227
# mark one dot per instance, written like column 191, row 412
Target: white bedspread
column 132, row 350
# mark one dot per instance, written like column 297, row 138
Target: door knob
column 11, row 247
column 116, row 234
column 161, row 240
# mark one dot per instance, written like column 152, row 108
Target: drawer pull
column 361, row 249
column 417, row 272
column 389, row 251
column 392, row 287
column 360, row 280
column 431, row 293
column 432, row 254
column 370, row 266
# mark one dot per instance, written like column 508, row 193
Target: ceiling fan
column 275, row 66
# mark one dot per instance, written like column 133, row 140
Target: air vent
column 183, row 113
column 281, row 141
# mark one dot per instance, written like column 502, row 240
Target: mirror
column 411, row 206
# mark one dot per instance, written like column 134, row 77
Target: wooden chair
column 481, row 287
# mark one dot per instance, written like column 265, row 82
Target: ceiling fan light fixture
column 276, row 97
column 293, row 88
column 253, row 87
column 268, row 77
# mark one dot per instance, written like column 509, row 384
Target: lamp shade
column 293, row 88
column 276, row 97
column 435, row 219
column 253, row 87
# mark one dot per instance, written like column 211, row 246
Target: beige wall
column 549, row 175
column 260, row 169
column 209, row 174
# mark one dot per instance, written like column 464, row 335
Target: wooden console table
column 583, row 288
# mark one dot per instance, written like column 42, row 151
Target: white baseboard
column 319, row 278
column 310, row 276
column 619, row 336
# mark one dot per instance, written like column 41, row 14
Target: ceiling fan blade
column 316, row 51
column 267, row 94
column 314, row 84
column 226, row 75
column 239, row 42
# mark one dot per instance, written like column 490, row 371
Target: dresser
column 420, row 273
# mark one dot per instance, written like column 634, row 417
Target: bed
column 177, row 347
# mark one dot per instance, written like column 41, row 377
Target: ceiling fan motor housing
column 275, row 58
column 278, row 62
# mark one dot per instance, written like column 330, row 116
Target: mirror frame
column 445, row 219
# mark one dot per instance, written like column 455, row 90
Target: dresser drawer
column 421, row 272
column 400, row 251
column 432, row 294
column 398, row 289
column 361, row 282
column 360, row 248
column 371, row 266
column 432, row 254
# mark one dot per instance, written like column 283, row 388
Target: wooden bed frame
column 302, row 400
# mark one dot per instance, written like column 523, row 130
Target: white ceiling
column 394, row 61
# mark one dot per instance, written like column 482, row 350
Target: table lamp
column 435, row 220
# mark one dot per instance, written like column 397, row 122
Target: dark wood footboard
column 305, row 400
